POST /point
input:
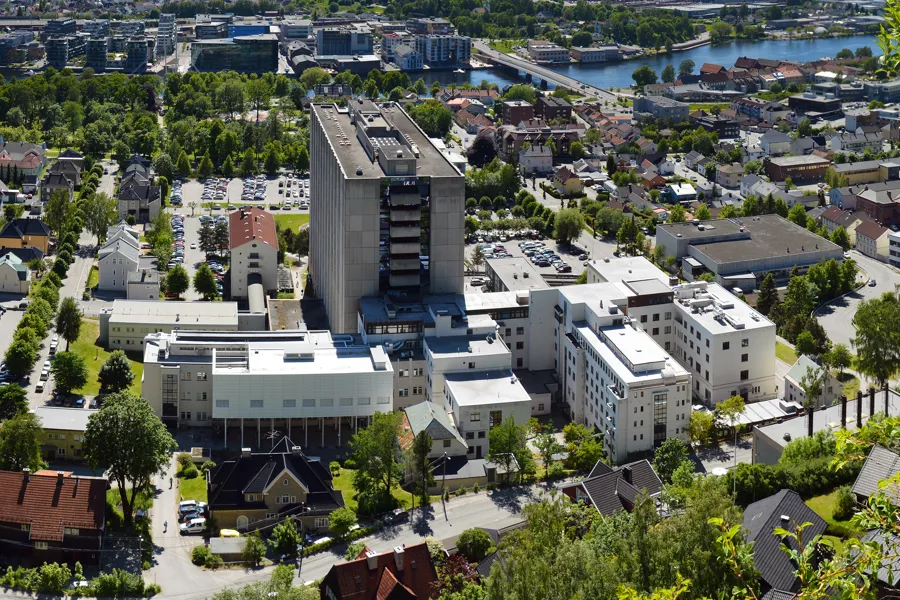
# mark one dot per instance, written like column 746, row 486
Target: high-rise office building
column 388, row 213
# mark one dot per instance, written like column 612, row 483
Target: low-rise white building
column 805, row 367
column 254, row 251
column 285, row 378
column 481, row 400
column 128, row 322
column 118, row 259
column 15, row 276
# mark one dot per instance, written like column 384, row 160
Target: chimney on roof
column 398, row 557
column 626, row 474
column 27, row 472
column 371, row 560
column 60, row 475
column 296, row 451
column 245, row 452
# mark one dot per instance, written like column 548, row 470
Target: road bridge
column 543, row 73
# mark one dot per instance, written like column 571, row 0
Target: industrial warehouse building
column 740, row 252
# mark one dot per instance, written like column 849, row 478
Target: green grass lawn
column 93, row 277
column 193, row 489
column 505, row 46
column 291, row 221
column 94, row 355
column 785, row 353
column 344, row 483
column 707, row 106
column 850, row 385
column 824, row 507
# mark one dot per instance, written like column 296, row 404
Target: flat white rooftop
column 496, row 300
column 320, row 361
column 186, row 315
column 718, row 310
column 485, row 387
column 465, row 345
column 627, row 268
column 648, row 362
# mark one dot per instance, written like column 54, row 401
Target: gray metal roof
column 881, row 464
column 430, row 417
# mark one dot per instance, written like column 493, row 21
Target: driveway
column 837, row 317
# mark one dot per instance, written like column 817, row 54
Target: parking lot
column 285, row 192
column 187, row 232
column 510, row 247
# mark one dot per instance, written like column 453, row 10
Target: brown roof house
column 567, row 181
column 872, row 240
column 404, row 573
column 254, row 251
column 52, row 517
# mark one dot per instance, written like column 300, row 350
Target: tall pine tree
column 768, row 295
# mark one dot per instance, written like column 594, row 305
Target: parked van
column 194, row 527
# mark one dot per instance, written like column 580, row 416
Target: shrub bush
column 844, row 504
column 808, row 478
column 207, row 466
column 349, row 464
column 184, row 459
column 200, row 555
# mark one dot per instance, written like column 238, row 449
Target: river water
column 618, row 74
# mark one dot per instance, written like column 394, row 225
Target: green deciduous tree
column 377, row 466
column 177, row 281
column 70, row 371
column 643, row 75
column 205, row 168
column 667, row 457
column 474, row 544
column 420, row 467
column 700, row 428
column 13, row 400
column 507, row 442
column 285, row 538
column 115, row 373
column 57, row 211
column 20, row 443
column 568, row 225
column 877, row 339
column 584, row 448
column 254, row 550
column 686, row 67
column 128, row 441
column 668, row 74
column 205, row 282
column 99, row 211
column 341, row 520
column 68, row 321
column 20, row 358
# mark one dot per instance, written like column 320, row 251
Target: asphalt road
column 837, row 317
column 181, row 580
